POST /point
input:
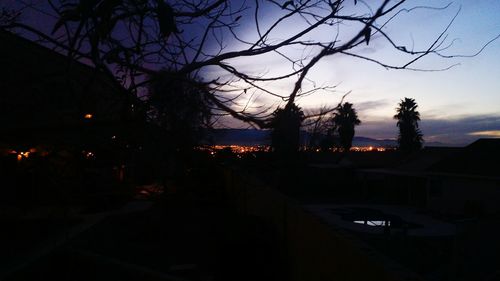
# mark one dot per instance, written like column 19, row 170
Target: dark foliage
column 285, row 135
column 410, row 137
column 178, row 105
column 344, row 120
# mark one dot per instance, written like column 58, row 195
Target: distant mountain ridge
column 240, row 137
column 263, row 137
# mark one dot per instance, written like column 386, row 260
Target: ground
column 189, row 234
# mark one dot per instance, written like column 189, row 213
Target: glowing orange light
column 22, row 155
column 88, row 116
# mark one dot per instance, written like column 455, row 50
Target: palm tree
column 344, row 120
column 410, row 137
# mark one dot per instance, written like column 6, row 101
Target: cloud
column 372, row 105
column 378, row 129
column 491, row 134
column 460, row 130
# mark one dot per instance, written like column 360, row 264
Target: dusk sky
column 457, row 106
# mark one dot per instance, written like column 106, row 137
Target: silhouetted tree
column 318, row 128
column 8, row 17
column 179, row 106
column 344, row 120
column 132, row 39
column 285, row 126
column 410, row 137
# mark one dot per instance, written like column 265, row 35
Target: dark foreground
column 186, row 234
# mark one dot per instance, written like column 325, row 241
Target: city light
column 23, row 154
column 371, row 149
column 89, row 155
column 243, row 149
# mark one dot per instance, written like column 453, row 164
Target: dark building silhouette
column 45, row 97
column 479, row 158
column 64, row 124
column 460, row 181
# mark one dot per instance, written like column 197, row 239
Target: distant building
column 467, row 181
column 458, row 181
